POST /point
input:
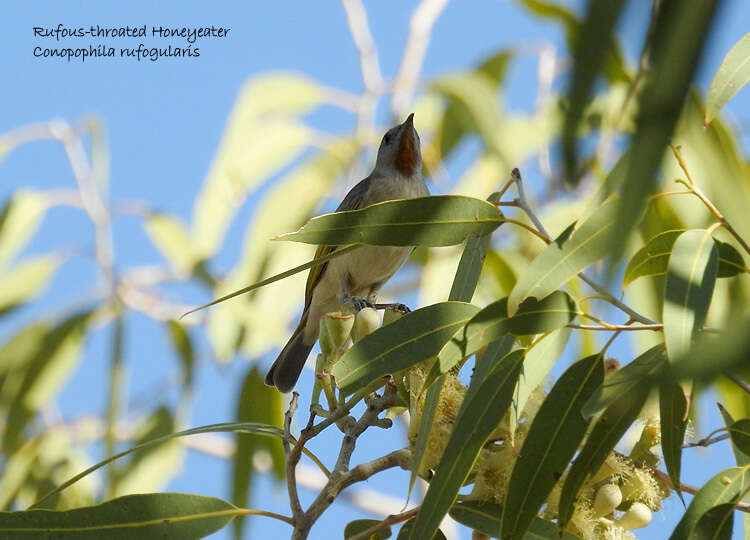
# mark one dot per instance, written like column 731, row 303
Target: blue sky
column 164, row 120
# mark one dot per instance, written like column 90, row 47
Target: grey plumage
column 397, row 175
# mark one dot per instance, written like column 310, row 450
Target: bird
column 356, row 277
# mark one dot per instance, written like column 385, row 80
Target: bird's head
column 399, row 150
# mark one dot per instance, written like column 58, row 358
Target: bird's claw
column 358, row 302
column 397, row 306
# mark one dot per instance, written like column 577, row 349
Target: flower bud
column 334, row 331
column 366, row 322
column 608, row 497
column 638, row 515
column 391, row 315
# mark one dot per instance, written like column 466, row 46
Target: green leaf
column 566, row 256
column 588, row 56
column 470, row 265
column 673, row 409
column 739, row 432
column 492, row 323
column 19, row 220
column 257, row 403
column 539, row 361
column 51, row 363
column 715, row 524
column 607, row 432
column 691, row 275
column 485, row 518
column 26, row 280
column 732, row 75
column 171, row 238
column 438, row 220
column 184, row 347
column 415, row 337
column 653, row 258
column 553, row 439
column 353, row 528
column 641, row 371
column 740, row 457
column 477, row 418
column 427, row 419
column 232, row 427
column 152, row 468
column 406, row 531
column 724, row 487
column 147, row 516
column 675, row 50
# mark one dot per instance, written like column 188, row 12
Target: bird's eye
column 387, row 138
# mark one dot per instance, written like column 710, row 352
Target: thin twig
column 707, row 441
column 618, row 327
column 739, row 381
column 420, row 28
column 291, row 479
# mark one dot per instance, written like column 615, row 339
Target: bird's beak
column 409, row 121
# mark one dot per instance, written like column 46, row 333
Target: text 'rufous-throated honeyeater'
column 355, row 277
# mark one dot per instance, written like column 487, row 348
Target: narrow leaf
column 151, row 516
column 732, row 75
column 553, row 438
column 563, row 258
column 19, row 220
column 432, row 398
column 588, row 56
column 485, row 518
column 675, row 51
column 476, row 420
column 639, row 372
column 492, row 323
column 26, row 280
column 673, row 409
column 739, row 432
column 184, row 347
column 406, row 531
column 415, row 337
column 440, row 220
column 740, row 457
column 607, row 432
column 691, row 275
column 256, row 403
column 724, row 487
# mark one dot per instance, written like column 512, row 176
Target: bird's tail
column 286, row 369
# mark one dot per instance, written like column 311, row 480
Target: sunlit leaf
column 184, row 348
column 552, row 440
column 261, row 404
column 415, row 337
column 691, row 275
column 732, row 75
column 641, row 371
column 477, row 418
column 563, row 258
column 25, row 280
column 145, row 516
column 440, row 220
column 171, row 238
column 19, row 220
column 606, row 433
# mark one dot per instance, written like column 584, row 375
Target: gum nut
column 334, row 330
column 365, row 323
column 638, row 515
column 391, row 315
column 608, row 497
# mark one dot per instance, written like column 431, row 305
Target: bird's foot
column 358, row 302
column 401, row 308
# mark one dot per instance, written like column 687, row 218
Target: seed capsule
column 334, row 331
column 608, row 497
column 365, row 323
column 638, row 515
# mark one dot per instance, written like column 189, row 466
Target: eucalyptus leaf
column 19, row 220
column 715, row 524
column 732, row 75
column 438, row 220
column 673, row 414
column 552, row 440
column 485, row 518
column 353, row 528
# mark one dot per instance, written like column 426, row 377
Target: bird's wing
column 353, row 201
